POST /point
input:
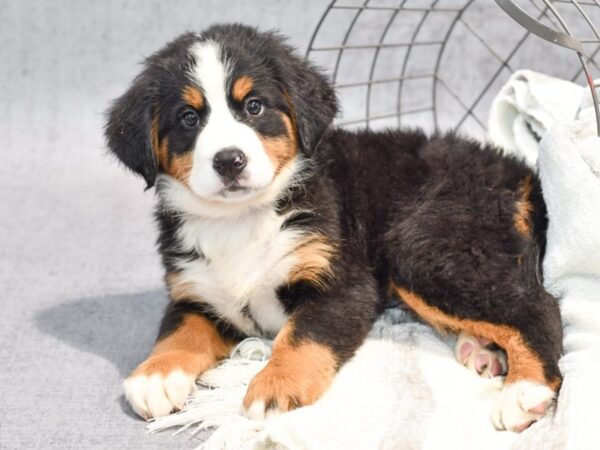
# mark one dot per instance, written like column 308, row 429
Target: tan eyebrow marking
column 193, row 97
column 242, row 87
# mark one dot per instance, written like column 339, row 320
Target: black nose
column 229, row 162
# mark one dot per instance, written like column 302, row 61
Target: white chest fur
column 246, row 259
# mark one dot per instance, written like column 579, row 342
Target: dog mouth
column 234, row 189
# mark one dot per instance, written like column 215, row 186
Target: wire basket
column 438, row 64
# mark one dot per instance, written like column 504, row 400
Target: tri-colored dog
column 274, row 223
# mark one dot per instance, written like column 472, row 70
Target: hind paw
column 520, row 404
column 479, row 355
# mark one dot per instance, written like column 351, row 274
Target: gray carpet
column 81, row 281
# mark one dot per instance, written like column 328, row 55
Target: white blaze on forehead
column 222, row 130
column 211, row 72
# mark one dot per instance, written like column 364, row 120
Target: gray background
column 81, row 282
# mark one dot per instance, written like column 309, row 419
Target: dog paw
column 274, row 391
column 520, row 404
column 155, row 393
column 479, row 356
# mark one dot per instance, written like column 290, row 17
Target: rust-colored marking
column 523, row 362
column 297, row 374
column 193, row 97
column 160, row 148
column 180, row 166
column 522, row 217
column 177, row 166
column 154, row 130
column 314, row 261
column 162, row 154
column 292, row 127
column 281, row 150
column 242, row 87
column 194, row 347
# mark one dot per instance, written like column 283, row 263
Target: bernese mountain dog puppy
column 274, row 223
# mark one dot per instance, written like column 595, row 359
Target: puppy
column 274, row 223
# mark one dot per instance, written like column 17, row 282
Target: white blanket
column 532, row 103
column 570, row 170
column 403, row 389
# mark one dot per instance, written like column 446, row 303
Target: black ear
column 314, row 102
column 129, row 131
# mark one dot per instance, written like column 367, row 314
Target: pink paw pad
column 476, row 354
column 466, row 350
column 522, row 427
column 540, row 408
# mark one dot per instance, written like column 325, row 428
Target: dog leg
column 297, row 374
column 320, row 336
column 533, row 376
column 188, row 345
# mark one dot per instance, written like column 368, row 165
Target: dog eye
column 254, row 107
column 189, row 119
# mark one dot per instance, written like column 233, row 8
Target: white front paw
column 155, row 394
column 520, row 404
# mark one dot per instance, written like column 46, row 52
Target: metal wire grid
column 364, row 40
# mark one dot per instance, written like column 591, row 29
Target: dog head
column 228, row 113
